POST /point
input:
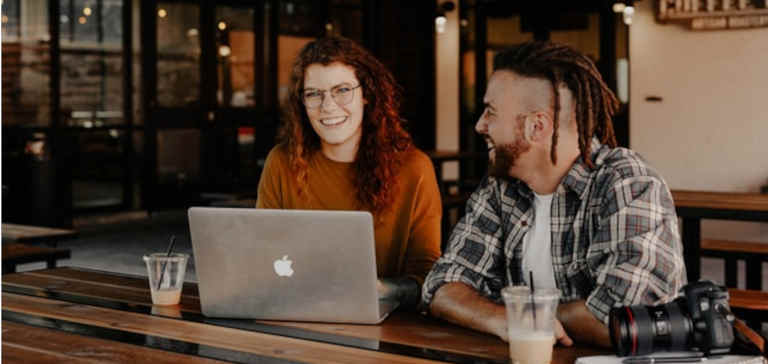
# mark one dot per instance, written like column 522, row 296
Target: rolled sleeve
column 637, row 253
column 474, row 255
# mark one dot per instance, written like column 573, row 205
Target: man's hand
column 462, row 305
column 561, row 336
column 582, row 324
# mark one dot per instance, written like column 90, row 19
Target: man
column 561, row 202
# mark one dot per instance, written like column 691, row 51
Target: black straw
column 533, row 303
column 167, row 254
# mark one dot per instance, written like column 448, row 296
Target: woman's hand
column 404, row 290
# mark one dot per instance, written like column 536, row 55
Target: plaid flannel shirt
column 615, row 238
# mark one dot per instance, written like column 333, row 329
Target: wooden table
column 74, row 315
column 35, row 234
column 692, row 206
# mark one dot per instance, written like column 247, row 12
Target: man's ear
column 538, row 126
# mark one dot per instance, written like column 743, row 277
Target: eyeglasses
column 341, row 94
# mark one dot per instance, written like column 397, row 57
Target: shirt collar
column 579, row 177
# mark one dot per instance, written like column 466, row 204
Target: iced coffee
column 530, row 323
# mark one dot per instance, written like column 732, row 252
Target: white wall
column 710, row 131
column 447, row 89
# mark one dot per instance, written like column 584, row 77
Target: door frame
column 211, row 120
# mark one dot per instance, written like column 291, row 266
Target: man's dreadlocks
column 595, row 102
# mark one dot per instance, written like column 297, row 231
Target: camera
column 700, row 318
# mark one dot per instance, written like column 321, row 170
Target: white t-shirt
column 537, row 245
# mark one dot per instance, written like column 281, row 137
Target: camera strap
column 747, row 341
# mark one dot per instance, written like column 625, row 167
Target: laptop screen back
column 298, row 265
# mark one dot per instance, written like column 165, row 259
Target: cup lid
column 173, row 257
column 519, row 291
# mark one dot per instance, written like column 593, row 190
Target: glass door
column 67, row 121
column 172, row 61
column 207, row 127
column 240, row 126
column 92, row 114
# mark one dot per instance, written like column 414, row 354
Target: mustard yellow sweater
column 408, row 232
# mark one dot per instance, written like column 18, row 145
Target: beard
column 506, row 156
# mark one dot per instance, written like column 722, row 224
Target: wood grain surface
column 735, row 246
column 29, row 344
column 721, row 200
column 750, row 299
column 215, row 336
column 410, row 330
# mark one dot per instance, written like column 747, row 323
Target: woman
column 343, row 147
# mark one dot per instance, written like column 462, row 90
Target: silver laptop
column 295, row 265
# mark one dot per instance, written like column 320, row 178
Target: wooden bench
column 35, row 234
column 750, row 306
column 15, row 254
column 754, row 254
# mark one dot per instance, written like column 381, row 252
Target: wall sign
column 714, row 14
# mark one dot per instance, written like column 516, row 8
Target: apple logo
column 283, row 267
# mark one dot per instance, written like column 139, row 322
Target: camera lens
column 640, row 330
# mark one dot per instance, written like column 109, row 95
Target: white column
column 447, row 88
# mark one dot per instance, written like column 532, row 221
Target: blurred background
column 121, row 110
column 127, row 105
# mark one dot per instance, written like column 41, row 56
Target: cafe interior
column 118, row 115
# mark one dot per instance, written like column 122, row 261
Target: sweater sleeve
column 269, row 192
column 424, row 243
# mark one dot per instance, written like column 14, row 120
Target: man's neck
column 544, row 177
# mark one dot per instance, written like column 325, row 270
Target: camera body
column 699, row 318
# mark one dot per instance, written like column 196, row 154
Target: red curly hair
column 383, row 139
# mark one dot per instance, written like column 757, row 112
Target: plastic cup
column 530, row 323
column 166, row 277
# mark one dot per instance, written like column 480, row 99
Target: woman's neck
column 345, row 152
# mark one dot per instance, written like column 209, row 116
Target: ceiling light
column 225, row 51
column 440, row 19
column 628, row 12
column 440, row 23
